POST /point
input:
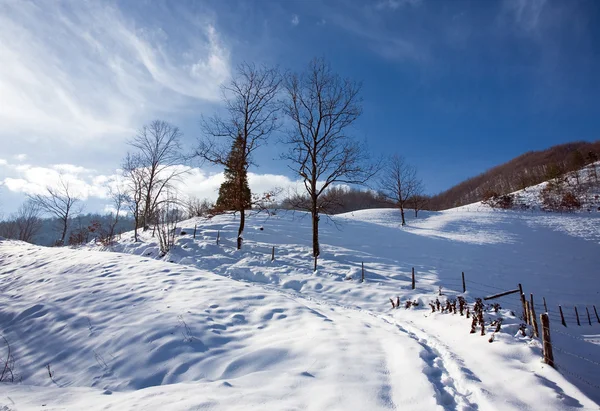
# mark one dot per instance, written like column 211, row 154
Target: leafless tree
column 322, row 106
column 9, row 229
column 399, row 182
column 252, row 107
column 158, row 155
column 119, row 199
column 196, row 207
column 60, row 202
column 135, row 180
column 418, row 200
column 167, row 216
column 28, row 220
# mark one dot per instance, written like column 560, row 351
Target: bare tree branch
column 251, row 101
column 321, row 107
column 399, row 182
column 61, row 203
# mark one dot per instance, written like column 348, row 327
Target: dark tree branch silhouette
column 61, row 203
column 399, row 182
column 322, row 106
column 252, row 107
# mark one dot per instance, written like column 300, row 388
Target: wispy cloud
column 396, row 4
column 525, row 13
column 295, row 20
column 78, row 72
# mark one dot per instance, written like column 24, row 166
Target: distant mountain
column 528, row 169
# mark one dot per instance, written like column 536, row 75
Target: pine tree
column 234, row 193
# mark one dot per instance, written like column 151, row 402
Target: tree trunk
column 241, row 229
column 315, row 228
column 402, row 213
column 64, row 232
column 416, row 212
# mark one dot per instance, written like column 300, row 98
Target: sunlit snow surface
column 210, row 327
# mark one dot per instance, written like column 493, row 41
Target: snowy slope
column 224, row 329
column 584, row 182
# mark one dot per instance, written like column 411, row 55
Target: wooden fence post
column 273, row 254
column 413, row 278
column 524, row 303
column 464, row 284
column 218, row 236
column 536, row 332
column 195, row 227
column 315, row 265
column 548, row 356
column 562, row 317
column 362, row 278
column 597, row 318
column 577, row 315
column 588, row 313
column 545, row 306
column 527, row 313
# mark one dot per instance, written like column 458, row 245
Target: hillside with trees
column 528, row 169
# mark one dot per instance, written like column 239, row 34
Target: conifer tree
column 234, row 193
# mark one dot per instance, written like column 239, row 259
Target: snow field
column 224, row 329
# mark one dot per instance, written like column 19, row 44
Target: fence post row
column 536, row 332
column 547, row 343
column 413, row 278
column 577, row 315
column 588, row 313
column 464, row 284
column 597, row 318
column 524, row 303
column 362, row 277
column 562, row 317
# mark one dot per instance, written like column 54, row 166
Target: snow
column 210, row 327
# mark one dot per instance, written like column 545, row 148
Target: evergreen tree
column 234, row 193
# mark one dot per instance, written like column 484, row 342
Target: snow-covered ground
column 210, row 327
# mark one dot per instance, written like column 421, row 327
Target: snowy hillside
column 583, row 184
column 210, row 327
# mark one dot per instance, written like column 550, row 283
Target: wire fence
column 561, row 319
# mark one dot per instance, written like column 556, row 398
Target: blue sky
column 455, row 86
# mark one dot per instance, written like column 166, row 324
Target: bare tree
column 418, row 200
column 158, row 154
column 322, row 106
column 399, row 182
column 28, row 220
column 135, row 178
column 196, row 207
column 251, row 101
column 9, row 229
column 61, row 203
column 119, row 199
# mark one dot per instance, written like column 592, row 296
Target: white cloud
column 295, row 20
column 79, row 70
column 20, row 157
column 86, row 183
column 3, row 162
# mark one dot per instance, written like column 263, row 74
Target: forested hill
column 528, row 169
